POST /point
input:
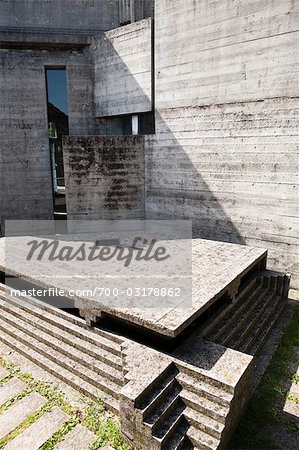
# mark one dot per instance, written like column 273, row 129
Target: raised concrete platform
column 188, row 398
column 218, row 272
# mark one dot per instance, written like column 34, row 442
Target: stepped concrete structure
column 177, row 109
column 187, row 388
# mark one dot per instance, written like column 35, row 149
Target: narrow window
column 58, row 126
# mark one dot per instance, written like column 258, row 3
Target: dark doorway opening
column 58, row 126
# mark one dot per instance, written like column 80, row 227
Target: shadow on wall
column 174, row 188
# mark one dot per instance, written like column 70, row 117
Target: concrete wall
column 104, row 177
column 60, row 14
column 26, row 186
column 227, row 122
column 123, row 77
column 133, row 10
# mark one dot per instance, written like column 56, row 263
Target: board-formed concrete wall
column 25, row 172
column 123, row 70
column 133, row 10
column 60, row 14
column 104, row 177
column 225, row 152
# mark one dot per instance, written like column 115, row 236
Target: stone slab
column 78, row 439
column 217, row 267
column 10, row 389
column 40, row 431
column 291, row 408
column 3, row 373
column 18, row 412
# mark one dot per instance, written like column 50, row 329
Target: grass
column 93, row 415
column 262, row 409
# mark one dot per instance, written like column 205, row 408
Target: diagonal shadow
column 174, row 187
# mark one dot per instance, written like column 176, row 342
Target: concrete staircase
column 162, row 412
column 247, row 324
column 186, row 410
column 207, row 408
column 167, row 401
column 89, row 361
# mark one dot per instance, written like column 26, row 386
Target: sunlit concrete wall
column 123, row 70
column 225, row 152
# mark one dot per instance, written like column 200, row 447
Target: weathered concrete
column 193, row 396
column 123, row 70
column 3, row 373
column 80, row 438
column 75, row 15
column 132, row 10
column 104, row 177
column 218, row 269
column 224, row 153
column 10, row 389
column 18, row 412
column 40, row 431
column 26, row 186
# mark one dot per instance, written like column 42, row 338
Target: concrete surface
column 104, row 177
column 123, row 70
column 80, row 438
column 18, row 412
column 8, row 390
column 40, row 431
column 224, row 153
column 217, row 269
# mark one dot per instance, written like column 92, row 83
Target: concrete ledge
column 35, row 38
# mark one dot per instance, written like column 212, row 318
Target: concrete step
column 241, row 318
column 156, row 392
column 105, row 354
column 204, row 377
column 69, row 352
column 40, row 431
column 73, row 324
column 102, row 382
column 249, row 325
column 255, row 326
column 79, row 438
column 215, row 322
column 159, row 398
column 19, row 411
column 201, row 440
column 110, row 401
column 228, row 320
column 179, row 439
column 204, row 423
column 255, row 345
column 164, row 414
column 3, row 373
column 205, row 390
column 10, row 389
column 204, row 406
column 174, row 426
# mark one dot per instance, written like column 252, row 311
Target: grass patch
column 262, row 409
column 93, row 415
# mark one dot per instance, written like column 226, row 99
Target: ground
column 89, row 414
